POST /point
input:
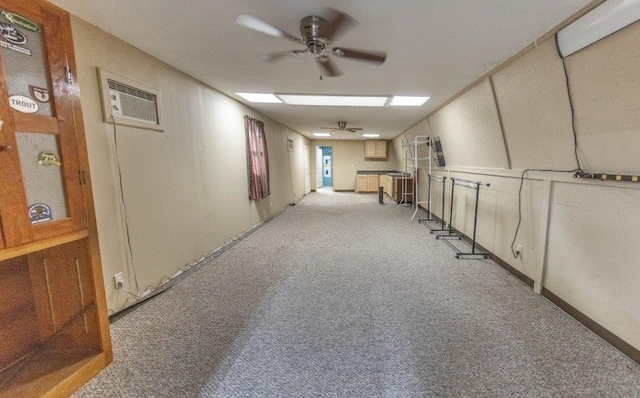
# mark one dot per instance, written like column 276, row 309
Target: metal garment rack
column 418, row 141
column 429, row 221
column 450, row 235
column 404, row 194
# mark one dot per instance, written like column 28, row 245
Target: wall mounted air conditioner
column 129, row 103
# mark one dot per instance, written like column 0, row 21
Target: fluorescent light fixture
column 333, row 100
column 322, row 134
column 260, row 98
column 607, row 18
column 368, row 135
column 399, row 100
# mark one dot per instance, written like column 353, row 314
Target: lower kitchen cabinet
column 367, row 183
column 373, row 183
column 362, row 183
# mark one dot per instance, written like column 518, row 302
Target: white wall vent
column 129, row 103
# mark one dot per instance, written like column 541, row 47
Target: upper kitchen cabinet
column 375, row 149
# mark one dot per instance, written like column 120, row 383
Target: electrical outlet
column 519, row 249
column 118, row 280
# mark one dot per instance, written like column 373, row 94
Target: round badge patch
column 39, row 212
column 11, row 34
column 23, row 104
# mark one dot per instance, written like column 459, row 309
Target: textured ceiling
column 434, row 48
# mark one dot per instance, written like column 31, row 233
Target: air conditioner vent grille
column 123, row 88
column 129, row 103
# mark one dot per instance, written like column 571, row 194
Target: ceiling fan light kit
column 316, row 34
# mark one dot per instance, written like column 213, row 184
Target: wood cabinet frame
column 51, row 272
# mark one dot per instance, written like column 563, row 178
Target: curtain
column 257, row 159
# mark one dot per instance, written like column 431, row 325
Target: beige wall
column 579, row 236
column 184, row 189
column 348, row 158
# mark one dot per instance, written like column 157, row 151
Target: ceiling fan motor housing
column 314, row 33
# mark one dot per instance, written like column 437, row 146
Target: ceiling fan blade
column 328, row 66
column 273, row 57
column 374, row 57
column 251, row 22
column 355, row 129
column 339, row 23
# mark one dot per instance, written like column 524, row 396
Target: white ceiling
column 434, row 48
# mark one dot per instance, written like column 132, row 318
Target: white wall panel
column 605, row 87
column 469, row 129
column 534, row 105
column 593, row 254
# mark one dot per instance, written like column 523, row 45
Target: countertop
column 392, row 172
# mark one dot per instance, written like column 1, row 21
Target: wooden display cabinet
column 54, row 328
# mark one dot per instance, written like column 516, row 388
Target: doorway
column 324, row 166
column 307, row 171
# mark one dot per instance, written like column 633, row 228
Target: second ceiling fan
column 342, row 126
column 316, row 34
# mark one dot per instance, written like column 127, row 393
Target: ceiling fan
column 316, row 34
column 342, row 126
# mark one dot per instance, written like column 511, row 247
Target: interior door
column 40, row 190
column 307, row 171
column 318, row 167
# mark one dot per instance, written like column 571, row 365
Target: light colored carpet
column 340, row 296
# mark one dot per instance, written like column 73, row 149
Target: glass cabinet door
column 41, row 192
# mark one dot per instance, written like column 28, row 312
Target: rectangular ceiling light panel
column 261, row 98
column 322, row 134
column 400, row 100
column 333, row 100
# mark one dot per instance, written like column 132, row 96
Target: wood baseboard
column 524, row 278
column 626, row 348
column 514, row 271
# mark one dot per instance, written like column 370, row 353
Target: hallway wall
column 579, row 236
column 185, row 189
